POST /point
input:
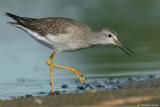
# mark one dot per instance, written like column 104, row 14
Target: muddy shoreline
column 138, row 93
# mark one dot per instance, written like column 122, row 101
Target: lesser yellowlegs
column 65, row 34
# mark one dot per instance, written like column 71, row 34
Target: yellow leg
column 73, row 70
column 51, row 65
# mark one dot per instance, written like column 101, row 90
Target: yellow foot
column 73, row 70
column 81, row 77
column 52, row 94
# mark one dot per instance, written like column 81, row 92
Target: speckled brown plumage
column 44, row 26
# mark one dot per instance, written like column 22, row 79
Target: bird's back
column 51, row 25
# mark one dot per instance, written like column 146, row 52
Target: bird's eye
column 109, row 35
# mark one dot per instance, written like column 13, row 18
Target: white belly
column 58, row 43
column 63, row 42
column 37, row 37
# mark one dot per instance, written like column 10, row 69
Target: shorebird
column 65, row 35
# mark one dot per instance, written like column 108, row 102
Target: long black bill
column 124, row 48
column 127, row 50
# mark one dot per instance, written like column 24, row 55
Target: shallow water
column 22, row 65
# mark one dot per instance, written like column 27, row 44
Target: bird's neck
column 94, row 38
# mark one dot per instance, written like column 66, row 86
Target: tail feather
column 19, row 19
column 15, row 17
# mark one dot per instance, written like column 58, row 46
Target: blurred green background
column 137, row 23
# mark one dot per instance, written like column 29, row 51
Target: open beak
column 124, row 48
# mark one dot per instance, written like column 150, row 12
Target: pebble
column 99, row 86
column 88, row 86
column 41, row 93
column 151, row 76
column 57, row 92
column 28, row 96
column 38, row 101
column 64, row 86
column 80, row 88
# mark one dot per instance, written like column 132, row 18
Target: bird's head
column 110, row 37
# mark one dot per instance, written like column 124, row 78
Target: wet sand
column 143, row 94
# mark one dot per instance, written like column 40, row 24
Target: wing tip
column 11, row 15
